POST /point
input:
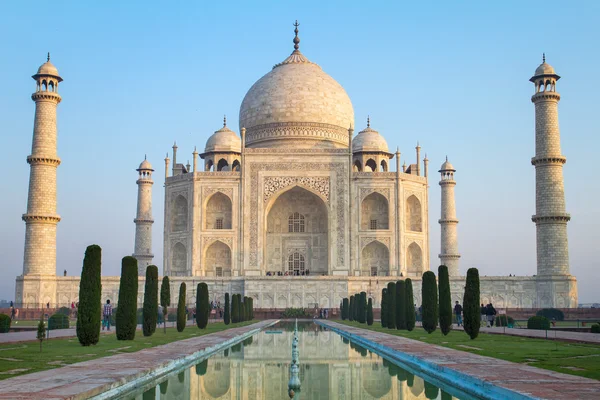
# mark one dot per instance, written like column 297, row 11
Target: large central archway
column 297, row 233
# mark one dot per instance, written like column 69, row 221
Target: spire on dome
column 224, row 121
column 296, row 38
column 543, row 58
column 48, row 59
column 368, row 121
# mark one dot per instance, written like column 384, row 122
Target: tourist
column 458, row 312
column 490, row 311
column 47, row 305
column 482, row 310
column 106, row 315
column 12, row 312
column 11, row 304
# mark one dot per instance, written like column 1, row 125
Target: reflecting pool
column 331, row 367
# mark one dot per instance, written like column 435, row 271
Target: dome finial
column 48, row 57
column 224, row 121
column 296, row 38
column 368, row 121
column 145, row 157
column 446, row 158
column 543, row 58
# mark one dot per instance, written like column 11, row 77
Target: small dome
column 48, row 68
column 223, row 140
column 369, row 140
column 545, row 69
column 145, row 165
column 446, row 166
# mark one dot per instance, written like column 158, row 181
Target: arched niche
column 376, row 380
column 370, row 165
column 217, row 259
column 179, row 260
column 414, row 260
column 375, row 259
column 218, row 212
column 414, row 220
column 374, row 211
column 222, row 165
column 179, row 214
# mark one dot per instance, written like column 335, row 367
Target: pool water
column 331, row 367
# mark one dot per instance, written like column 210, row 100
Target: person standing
column 458, row 312
column 490, row 311
column 106, row 314
column 482, row 310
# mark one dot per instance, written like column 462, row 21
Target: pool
column 330, row 367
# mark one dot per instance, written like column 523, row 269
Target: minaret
column 143, row 220
column 41, row 217
column 418, row 166
column 550, row 217
column 449, row 244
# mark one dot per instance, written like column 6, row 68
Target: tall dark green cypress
column 370, row 312
column 227, row 313
column 430, row 302
column 391, row 294
column 150, row 310
column 471, row 310
column 202, row 305
column 345, row 307
column 351, row 311
column 362, row 308
column 410, row 305
column 126, row 318
column 400, row 305
column 165, row 299
column 251, row 308
column 235, row 311
column 383, row 311
column 445, row 300
column 89, row 314
column 181, row 317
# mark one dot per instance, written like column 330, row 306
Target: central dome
column 296, row 105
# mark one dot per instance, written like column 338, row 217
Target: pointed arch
column 374, row 212
column 217, row 259
column 179, row 260
column 51, row 86
column 375, row 259
column 44, row 85
column 384, row 166
column 414, row 260
column 371, row 166
column 222, row 165
column 216, row 382
column 357, row 166
column 218, row 212
column 235, row 166
column 179, row 214
column 414, row 219
column 209, row 165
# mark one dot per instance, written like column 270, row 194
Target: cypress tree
column 400, row 305
column 227, row 313
column 202, row 306
column 251, row 308
column 126, row 318
column 471, row 310
column 445, row 300
column 350, row 311
column 245, row 309
column 165, row 299
column 150, row 310
column 383, row 308
column 235, row 309
column 345, row 306
column 370, row 312
column 181, row 317
column 391, row 305
column 362, row 307
column 430, row 302
column 89, row 315
column 410, row 305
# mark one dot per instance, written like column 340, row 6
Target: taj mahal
column 296, row 209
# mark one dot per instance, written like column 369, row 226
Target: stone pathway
column 583, row 337
column 86, row 379
column 458, row 365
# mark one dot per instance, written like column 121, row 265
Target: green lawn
column 25, row 358
column 569, row 358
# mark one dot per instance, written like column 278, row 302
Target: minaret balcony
column 551, row 219
column 448, row 221
column 45, row 95
column 548, row 160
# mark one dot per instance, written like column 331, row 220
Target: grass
column 25, row 357
column 569, row 358
column 31, row 322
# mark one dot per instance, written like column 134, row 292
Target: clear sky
column 452, row 75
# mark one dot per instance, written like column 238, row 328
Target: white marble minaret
column 41, row 218
column 143, row 220
column 550, row 217
column 449, row 244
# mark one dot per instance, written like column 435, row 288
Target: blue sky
column 453, row 76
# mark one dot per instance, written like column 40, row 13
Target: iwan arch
column 295, row 211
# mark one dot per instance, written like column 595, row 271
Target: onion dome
column 145, row 165
column 47, row 69
column 369, row 140
column 224, row 140
column 446, row 166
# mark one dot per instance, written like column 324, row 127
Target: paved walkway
column 460, row 367
column 584, row 337
column 86, row 379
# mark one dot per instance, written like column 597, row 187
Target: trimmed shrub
column 58, row 321
column 370, row 312
column 296, row 313
column 538, row 322
column 41, row 331
column 351, row 314
column 251, row 308
column 410, row 305
column 384, row 308
column 362, row 307
column 430, row 302
column 235, row 311
column 504, row 320
column 445, row 300
column 150, row 310
column 226, row 313
column 471, row 304
column 202, row 305
column 345, row 306
column 595, row 328
column 391, row 305
column 165, row 298
column 400, row 305
column 89, row 315
column 64, row 311
column 126, row 319
column 551, row 313
column 181, row 317
column 4, row 323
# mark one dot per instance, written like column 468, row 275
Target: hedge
column 150, row 310
column 345, row 306
column 4, row 323
column 89, row 315
column 504, row 320
column 400, row 305
column 370, row 312
column 202, row 305
column 410, row 305
column 181, row 317
column 471, row 304
column 551, row 313
column 126, row 319
column 538, row 322
column 391, row 305
column 384, row 308
column 227, row 314
column 64, row 310
column 351, row 310
column 165, row 298
column 429, row 295
column 58, row 321
column 595, row 328
column 445, row 300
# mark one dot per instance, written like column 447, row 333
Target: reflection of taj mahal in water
column 298, row 193
column 329, row 369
